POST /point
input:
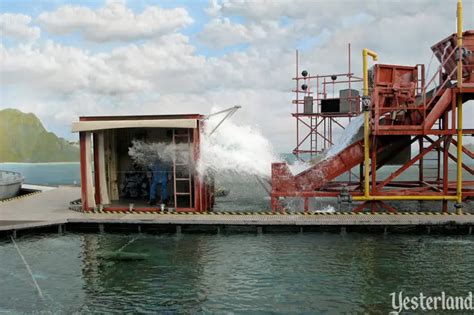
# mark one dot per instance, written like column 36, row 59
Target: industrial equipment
column 400, row 111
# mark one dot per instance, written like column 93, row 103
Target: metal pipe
column 366, row 153
column 230, row 112
column 222, row 111
column 365, row 54
column 422, row 197
column 459, row 100
column 297, row 106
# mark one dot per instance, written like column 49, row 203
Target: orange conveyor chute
column 330, row 168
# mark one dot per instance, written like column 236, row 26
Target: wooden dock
column 48, row 210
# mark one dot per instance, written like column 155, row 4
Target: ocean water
column 230, row 274
column 52, row 174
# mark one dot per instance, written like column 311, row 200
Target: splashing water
column 236, row 149
column 146, row 154
column 349, row 135
column 327, row 208
column 232, row 148
column 298, row 167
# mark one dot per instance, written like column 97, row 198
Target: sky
column 62, row 59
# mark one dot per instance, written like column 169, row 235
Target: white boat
column 10, row 184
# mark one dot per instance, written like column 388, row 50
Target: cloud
column 16, row 26
column 167, row 73
column 57, row 70
column 221, row 32
column 214, row 8
column 114, row 22
column 321, row 12
column 291, row 22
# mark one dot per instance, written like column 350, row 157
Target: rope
column 40, row 293
column 128, row 243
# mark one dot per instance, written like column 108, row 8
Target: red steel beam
column 464, row 149
column 408, row 164
column 451, row 156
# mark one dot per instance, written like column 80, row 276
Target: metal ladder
column 180, row 167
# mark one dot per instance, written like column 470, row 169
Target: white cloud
column 323, row 12
column 214, row 8
column 165, row 73
column 221, row 32
column 16, row 26
column 57, row 70
column 114, row 22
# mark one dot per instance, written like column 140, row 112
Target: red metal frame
column 400, row 104
column 203, row 191
column 314, row 132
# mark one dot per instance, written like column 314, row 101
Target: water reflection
column 284, row 273
column 244, row 273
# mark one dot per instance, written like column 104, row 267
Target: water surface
column 240, row 273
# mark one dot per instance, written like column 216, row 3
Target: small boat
column 10, row 184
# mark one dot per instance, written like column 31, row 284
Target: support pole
column 459, row 101
column 365, row 54
column 104, row 193
column 87, row 189
column 447, row 142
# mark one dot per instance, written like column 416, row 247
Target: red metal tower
column 316, row 110
column 399, row 110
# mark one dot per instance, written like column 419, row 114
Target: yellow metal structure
column 381, row 198
column 365, row 54
column 367, row 197
column 459, row 100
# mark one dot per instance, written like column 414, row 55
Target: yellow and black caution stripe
column 20, row 196
column 76, row 202
column 74, row 206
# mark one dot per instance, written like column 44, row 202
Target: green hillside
column 24, row 139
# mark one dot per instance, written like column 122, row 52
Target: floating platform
column 48, row 210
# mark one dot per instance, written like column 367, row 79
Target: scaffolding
column 400, row 110
column 316, row 113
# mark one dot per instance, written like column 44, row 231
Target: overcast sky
column 62, row 59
